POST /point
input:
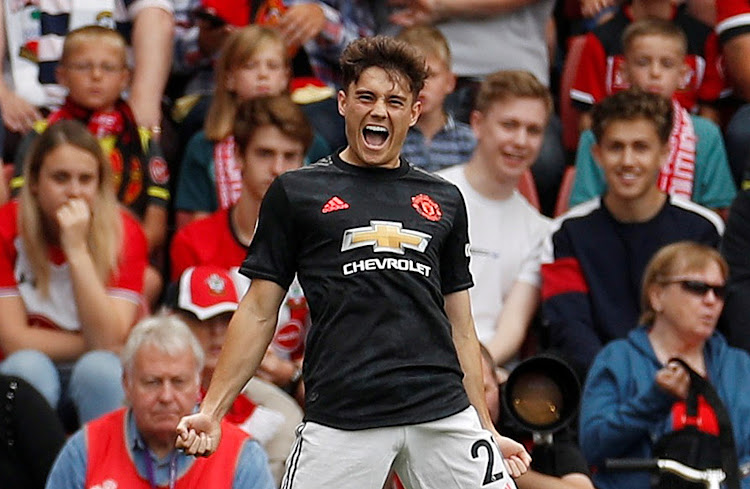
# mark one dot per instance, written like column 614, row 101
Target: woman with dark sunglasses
column 634, row 394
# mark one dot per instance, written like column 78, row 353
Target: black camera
column 542, row 395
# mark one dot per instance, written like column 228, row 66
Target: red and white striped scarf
column 228, row 174
column 676, row 177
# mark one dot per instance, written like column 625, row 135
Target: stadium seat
column 527, row 188
column 569, row 115
column 566, row 188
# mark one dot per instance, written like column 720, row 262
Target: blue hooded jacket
column 624, row 412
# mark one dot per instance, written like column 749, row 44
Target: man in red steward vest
column 133, row 447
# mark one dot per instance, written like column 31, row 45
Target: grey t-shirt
column 511, row 41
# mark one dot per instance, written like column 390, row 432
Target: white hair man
column 133, row 447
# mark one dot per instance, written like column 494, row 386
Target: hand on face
column 74, row 220
column 674, row 379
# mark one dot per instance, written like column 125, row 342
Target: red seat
column 569, row 115
column 527, row 188
column 566, row 188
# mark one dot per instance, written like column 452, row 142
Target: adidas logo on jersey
column 334, row 204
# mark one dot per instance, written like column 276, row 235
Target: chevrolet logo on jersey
column 385, row 236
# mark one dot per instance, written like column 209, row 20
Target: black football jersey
column 375, row 251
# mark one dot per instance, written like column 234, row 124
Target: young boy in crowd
column 599, row 73
column 697, row 167
column 506, row 233
column 594, row 260
column 437, row 140
column 94, row 69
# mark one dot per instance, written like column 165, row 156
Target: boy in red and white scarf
column 655, row 61
column 697, row 167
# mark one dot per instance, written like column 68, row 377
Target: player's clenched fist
column 198, row 434
column 517, row 459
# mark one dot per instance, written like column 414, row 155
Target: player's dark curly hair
column 632, row 104
column 400, row 60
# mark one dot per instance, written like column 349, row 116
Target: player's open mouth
column 375, row 136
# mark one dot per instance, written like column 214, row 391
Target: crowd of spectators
column 139, row 137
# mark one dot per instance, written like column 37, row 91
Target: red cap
column 234, row 12
column 206, row 291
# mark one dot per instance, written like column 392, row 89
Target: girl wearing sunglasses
column 634, row 395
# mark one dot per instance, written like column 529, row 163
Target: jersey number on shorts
column 489, row 477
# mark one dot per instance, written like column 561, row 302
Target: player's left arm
column 458, row 310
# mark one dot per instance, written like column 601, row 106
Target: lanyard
column 150, row 469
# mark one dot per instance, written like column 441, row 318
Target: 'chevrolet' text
column 374, row 264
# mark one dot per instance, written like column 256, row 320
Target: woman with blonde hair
column 71, row 274
column 634, row 393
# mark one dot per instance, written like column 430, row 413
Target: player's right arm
column 249, row 334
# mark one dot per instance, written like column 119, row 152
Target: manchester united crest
column 426, row 207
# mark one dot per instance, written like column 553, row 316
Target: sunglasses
column 700, row 288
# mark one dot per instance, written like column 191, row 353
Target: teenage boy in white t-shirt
column 506, row 232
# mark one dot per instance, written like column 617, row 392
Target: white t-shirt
column 506, row 238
